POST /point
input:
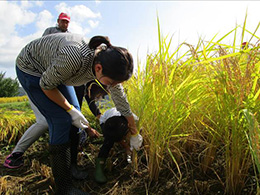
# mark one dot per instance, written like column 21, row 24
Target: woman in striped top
column 50, row 66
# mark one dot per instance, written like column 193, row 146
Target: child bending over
column 114, row 127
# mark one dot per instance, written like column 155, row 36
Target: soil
column 123, row 178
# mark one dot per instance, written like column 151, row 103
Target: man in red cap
column 244, row 45
column 62, row 25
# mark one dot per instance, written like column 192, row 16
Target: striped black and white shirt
column 65, row 58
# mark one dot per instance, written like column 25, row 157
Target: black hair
column 115, row 128
column 117, row 62
column 98, row 40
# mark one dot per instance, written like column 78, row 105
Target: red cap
column 64, row 16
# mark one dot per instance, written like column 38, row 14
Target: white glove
column 78, row 120
column 136, row 142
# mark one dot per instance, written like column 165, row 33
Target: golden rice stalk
column 13, row 99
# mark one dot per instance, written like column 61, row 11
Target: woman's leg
column 74, row 136
column 77, row 173
column 59, row 122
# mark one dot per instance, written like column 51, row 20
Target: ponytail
column 97, row 40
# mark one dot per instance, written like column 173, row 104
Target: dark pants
column 106, row 147
column 74, row 136
column 59, row 121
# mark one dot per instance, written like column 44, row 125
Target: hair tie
column 103, row 46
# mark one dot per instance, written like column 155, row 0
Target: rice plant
column 199, row 98
column 16, row 116
column 13, row 124
column 13, row 99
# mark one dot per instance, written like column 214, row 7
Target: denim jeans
column 59, row 121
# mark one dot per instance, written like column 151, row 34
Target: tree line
column 8, row 87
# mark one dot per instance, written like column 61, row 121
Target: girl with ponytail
column 49, row 67
column 117, row 62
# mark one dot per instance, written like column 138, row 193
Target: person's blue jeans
column 59, row 121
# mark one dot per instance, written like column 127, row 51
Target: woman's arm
column 136, row 139
column 56, row 96
column 78, row 120
column 131, row 124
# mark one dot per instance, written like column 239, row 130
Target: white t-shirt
column 110, row 113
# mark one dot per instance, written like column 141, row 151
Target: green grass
column 16, row 106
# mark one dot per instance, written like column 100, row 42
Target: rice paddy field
column 199, row 117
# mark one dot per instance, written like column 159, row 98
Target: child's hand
column 98, row 116
column 93, row 133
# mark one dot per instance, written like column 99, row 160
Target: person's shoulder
column 76, row 35
column 67, row 37
column 113, row 109
column 50, row 28
column 112, row 112
column 75, row 38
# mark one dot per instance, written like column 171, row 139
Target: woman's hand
column 136, row 139
column 77, row 117
column 136, row 142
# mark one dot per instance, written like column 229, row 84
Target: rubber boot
column 78, row 173
column 99, row 171
column 61, row 164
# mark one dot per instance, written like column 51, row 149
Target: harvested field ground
column 35, row 176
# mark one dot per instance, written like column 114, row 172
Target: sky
column 129, row 24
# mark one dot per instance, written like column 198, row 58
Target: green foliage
column 8, row 86
column 16, row 106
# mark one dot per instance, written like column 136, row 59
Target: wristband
column 71, row 106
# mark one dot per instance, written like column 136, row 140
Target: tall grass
column 199, row 98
